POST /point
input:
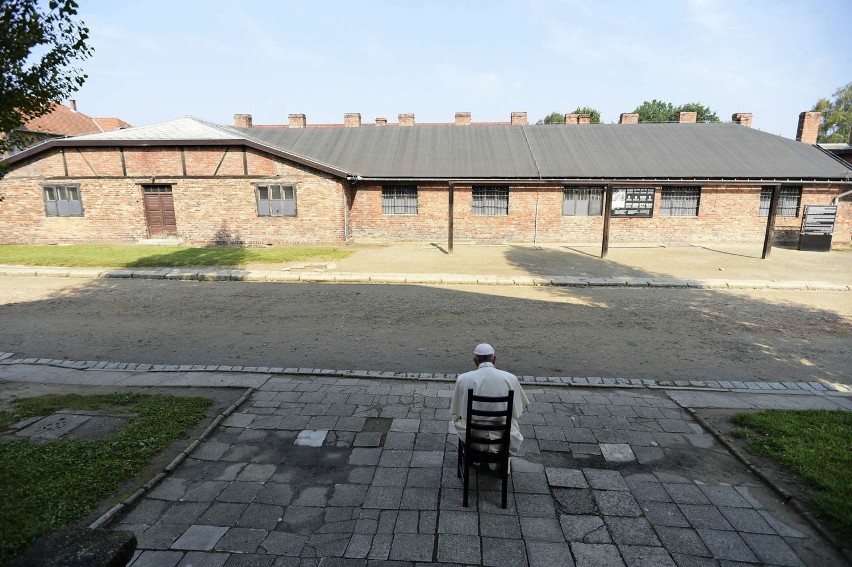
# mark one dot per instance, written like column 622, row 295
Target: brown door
column 160, row 210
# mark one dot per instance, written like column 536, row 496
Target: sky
column 160, row 60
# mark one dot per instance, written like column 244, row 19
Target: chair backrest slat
column 504, row 424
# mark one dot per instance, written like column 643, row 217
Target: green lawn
column 132, row 256
column 44, row 486
column 816, row 444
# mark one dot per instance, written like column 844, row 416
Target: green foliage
column 559, row 118
column 595, row 114
column 704, row 113
column 816, row 444
column 659, row 111
column 836, row 123
column 553, row 118
column 47, row 485
column 129, row 256
column 39, row 43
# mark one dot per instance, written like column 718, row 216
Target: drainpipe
column 450, row 218
column 836, row 200
column 535, row 223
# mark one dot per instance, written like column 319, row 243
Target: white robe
column 487, row 381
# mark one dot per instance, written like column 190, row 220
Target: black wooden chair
column 481, row 424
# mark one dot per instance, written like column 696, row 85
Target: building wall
column 726, row 214
column 214, row 199
column 213, row 190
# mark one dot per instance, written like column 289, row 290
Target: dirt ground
column 614, row 332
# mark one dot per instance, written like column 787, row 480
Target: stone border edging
column 788, row 498
column 197, row 274
column 586, row 382
column 113, row 512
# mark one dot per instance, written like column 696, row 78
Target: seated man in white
column 486, row 380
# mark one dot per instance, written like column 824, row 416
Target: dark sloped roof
column 619, row 151
column 583, row 152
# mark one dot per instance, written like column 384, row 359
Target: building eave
column 72, row 143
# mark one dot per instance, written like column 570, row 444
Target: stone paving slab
column 354, row 497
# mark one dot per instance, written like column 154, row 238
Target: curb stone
column 787, row 387
column 283, row 276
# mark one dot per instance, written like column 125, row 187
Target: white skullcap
column 483, row 349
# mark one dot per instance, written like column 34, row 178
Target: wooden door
column 160, row 210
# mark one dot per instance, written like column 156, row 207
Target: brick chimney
column 73, row 104
column 519, row 119
column 687, row 117
column 743, row 118
column 352, row 119
column 462, row 118
column 629, row 118
column 808, row 129
column 406, row 120
column 298, row 121
column 242, row 120
column 572, row 119
column 381, row 121
column 584, row 119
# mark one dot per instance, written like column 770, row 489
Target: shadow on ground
column 552, row 331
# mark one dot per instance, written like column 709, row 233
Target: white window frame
column 582, row 201
column 268, row 205
column 62, row 200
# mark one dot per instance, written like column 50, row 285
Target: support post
column 770, row 222
column 607, row 204
column 450, row 220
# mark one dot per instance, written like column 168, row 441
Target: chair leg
column 465, row 481
column 505, row 485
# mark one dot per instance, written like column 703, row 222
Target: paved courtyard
column 356, row 472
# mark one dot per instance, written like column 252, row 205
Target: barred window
column 789, row 200
column 276, row 200
column 680, row 201
column 62, row 201
column 582, row 201
column 399, row 200
column 490, row 201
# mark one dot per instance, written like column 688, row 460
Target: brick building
column 60, row 122
column 202, row 183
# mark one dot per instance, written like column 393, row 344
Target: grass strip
column 44, row 486
column 816, row 444
column 131, row 256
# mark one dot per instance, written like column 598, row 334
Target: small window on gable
column 490, row 201
column 62, row 201
column 789, row 200
column 276, row 200
column 582, row 201
column 680, row 201
column 399, row 200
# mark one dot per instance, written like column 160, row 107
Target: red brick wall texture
column 214, row 199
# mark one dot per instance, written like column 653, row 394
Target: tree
column 836, row 116
column 659, row 111
column 38, row 46
column 559, row 118
column 553, row 118
column 704, row 113
column 595, row 114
